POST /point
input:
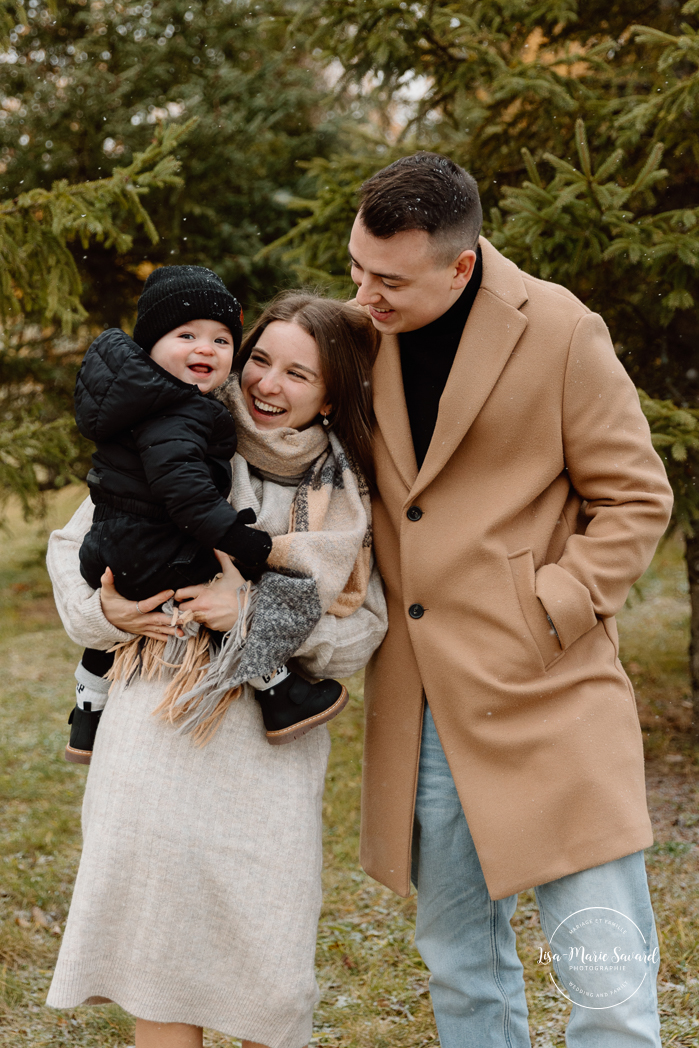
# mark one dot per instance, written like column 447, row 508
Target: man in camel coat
column 519, row 498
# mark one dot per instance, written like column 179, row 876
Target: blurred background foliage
column 92, row 81
column 579, row 121
column 102, row 102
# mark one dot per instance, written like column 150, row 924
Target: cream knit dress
column 198, row 893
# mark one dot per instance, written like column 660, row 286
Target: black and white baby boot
column 91, row 695
column 83, row 722
column 291, row 706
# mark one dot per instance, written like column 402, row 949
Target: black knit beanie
column 173, row 295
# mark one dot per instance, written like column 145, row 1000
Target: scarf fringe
column 199, row 710
column 199, row 693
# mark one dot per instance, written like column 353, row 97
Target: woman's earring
column 325, row 420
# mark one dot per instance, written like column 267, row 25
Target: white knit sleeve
column 339, row 647
column 78, row 604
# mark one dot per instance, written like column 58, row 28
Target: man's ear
column 463, row 269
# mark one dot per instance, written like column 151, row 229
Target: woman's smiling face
column 282, row 382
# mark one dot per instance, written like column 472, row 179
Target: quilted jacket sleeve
column 173, row 453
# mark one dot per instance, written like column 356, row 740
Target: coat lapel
column 391, row 411
column 492, row 331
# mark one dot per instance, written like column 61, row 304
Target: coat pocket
column 524, row 577
column 567, row 601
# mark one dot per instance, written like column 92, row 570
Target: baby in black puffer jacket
column 161, row 473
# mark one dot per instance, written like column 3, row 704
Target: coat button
column 416, row 611
column 414, row 513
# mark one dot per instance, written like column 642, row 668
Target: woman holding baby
column 198, row 894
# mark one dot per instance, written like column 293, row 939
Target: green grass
column 26, row 603
column 373, row 983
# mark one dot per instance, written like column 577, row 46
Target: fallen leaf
column 23, row 922
column 39, row 917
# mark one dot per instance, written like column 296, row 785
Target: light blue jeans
column 467, row 942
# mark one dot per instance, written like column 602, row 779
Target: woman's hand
column 136, row 616
column 214, row 604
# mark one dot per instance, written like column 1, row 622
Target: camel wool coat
column 540, row 494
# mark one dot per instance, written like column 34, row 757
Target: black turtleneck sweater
column 426, row 357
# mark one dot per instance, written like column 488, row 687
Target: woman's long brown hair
column 347, row 345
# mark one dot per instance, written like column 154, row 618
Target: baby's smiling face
column 199, row 352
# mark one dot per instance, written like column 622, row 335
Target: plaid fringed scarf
column 321, row 565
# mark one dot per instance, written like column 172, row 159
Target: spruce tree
column 40, row 294
column 89, row 83
column 84, row 89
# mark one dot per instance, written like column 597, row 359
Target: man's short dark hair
column 424, row 191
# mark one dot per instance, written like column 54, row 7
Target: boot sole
column 78, row 756
column 297, row 731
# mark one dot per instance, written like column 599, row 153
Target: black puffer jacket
column 162, row 443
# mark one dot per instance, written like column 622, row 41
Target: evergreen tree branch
column 30, row 450
column 675, row 436
column 38, row 275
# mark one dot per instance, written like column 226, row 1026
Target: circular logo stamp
column 599, row 958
